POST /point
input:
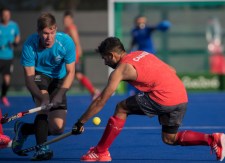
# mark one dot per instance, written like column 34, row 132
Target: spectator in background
column 9, row 38
column 71, row 29
column 141, row 34
column 215, row 46
column 142, row 39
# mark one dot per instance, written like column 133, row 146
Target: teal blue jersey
column 49, row 61
column 7, row 37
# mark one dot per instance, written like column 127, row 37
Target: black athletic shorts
column 44, row 82
column 6, row 66
column 167, row 115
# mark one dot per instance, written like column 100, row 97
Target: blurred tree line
column 25, row 5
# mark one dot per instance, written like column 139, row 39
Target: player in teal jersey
column 9, row 38
column 48, row 58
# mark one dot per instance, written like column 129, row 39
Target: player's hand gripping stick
column 78, row 128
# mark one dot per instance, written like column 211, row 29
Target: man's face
column 141, row 22
column 6, row 16
column 47, row 36
column 110, row 60
column 67, row 20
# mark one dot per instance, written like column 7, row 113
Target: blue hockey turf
column 139, row 141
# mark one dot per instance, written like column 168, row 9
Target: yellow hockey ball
column 96, row 121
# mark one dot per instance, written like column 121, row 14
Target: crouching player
column 48, row 59
column 164, row 95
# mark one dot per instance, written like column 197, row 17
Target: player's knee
column 168, row 140
column 56, row 130
column 169, row 134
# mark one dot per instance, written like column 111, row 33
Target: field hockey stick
column 6, row 119
column 58, row 138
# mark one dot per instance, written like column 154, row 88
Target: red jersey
column 67, row 30
column 156, row 78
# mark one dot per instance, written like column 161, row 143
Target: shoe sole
column 222, row 140
column 95, row 160
column 101, row 160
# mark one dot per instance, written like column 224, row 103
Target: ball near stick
column 96, row 121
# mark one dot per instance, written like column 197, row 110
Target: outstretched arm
column 123, row 72
column 101, row 100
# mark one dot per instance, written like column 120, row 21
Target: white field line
column 144, row 128
column 159, row 127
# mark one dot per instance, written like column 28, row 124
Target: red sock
column 1, row 129
column 191, row 138
column 112, row 129
column 87, row 84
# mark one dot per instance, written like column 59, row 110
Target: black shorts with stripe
column 51, row 85
column 167, row 115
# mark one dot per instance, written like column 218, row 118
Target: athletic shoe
column 96, row 94
column 5, row 141
column 218, row 145
column 5, row 101
column 43, row 153
column 19, row 138
column 92, row 155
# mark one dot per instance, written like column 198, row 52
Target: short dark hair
column 4, row 9
column 110, row 44
column 45, row 20
column 68, row 13
column 138, row 17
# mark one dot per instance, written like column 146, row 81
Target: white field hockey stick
column 58, row 138
column 6, row 119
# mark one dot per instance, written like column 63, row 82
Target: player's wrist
column 78, row 128
column 80, row 123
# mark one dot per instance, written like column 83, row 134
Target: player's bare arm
column 17, row 39
column 68, row 81
column 58, row 98
column 100, row 101
column 122, row 72
column 30, row 83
